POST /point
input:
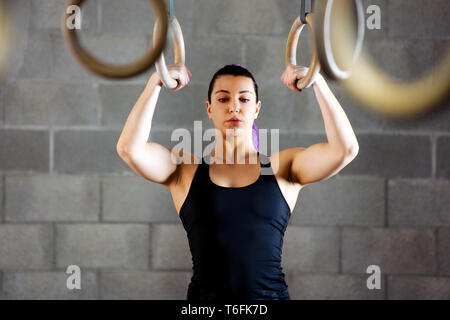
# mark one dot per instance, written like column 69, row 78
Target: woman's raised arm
column 149, row 159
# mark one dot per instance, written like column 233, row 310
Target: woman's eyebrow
column 226, row 91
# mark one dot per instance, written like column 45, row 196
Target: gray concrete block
column 113, row 49
column 419, row 203
column 442, row 156
column 205, row 55
column 331, row 287
column 430, row 21
column 361, row 118
column 136, row 199
column 402, row 59
column 433, row 119
column 119, row 99
column 152, row 285
column 31, row 102
column 311, row 249
column 444, row 251
column 348, row 202
column 49, row 285
column 395, row 251
column 24, row 150
column 232, row 17
column 180, row 109
column 418, row 288
column 119, row 17
column 64, row 66
column 285, row 110
column 87, row 152
column 170, row 247
column 379, row 155
column 47, row 15
column 102, row 245
column 392, row 156
column 26, row 246
column 265, row 56
column 295, row 139
column 52, row 198
column 36, row 57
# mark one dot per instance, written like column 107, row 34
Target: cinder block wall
column 67, row 198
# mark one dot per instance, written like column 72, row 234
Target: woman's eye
column 226, row 99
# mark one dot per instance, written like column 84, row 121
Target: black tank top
column 236, row 237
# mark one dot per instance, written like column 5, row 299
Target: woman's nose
column 234, row 106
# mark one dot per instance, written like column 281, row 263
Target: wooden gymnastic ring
column 322, row 33
column 179, row 53
column 291, row 52
column 101, row 68
column 376, row 89
column 5, row 39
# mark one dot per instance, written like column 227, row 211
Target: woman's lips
column 234, row 120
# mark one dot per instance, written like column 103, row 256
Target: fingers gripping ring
column 101, row 68
column 179, row 53
column 291, row 52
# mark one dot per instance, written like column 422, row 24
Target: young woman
column 234, row 216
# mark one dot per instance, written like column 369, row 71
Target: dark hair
column 237, row 70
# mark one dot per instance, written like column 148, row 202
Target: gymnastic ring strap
column 291, row 52
column 107, row 70
column 377, row 90
column 328, row 63
column 179, row 54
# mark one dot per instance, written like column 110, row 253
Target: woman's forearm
column 137, row 128
column 337, row 126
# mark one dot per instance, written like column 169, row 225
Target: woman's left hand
column 293, row 73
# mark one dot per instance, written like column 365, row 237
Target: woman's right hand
column 180, row 73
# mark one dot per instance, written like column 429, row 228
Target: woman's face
column 233, row 96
